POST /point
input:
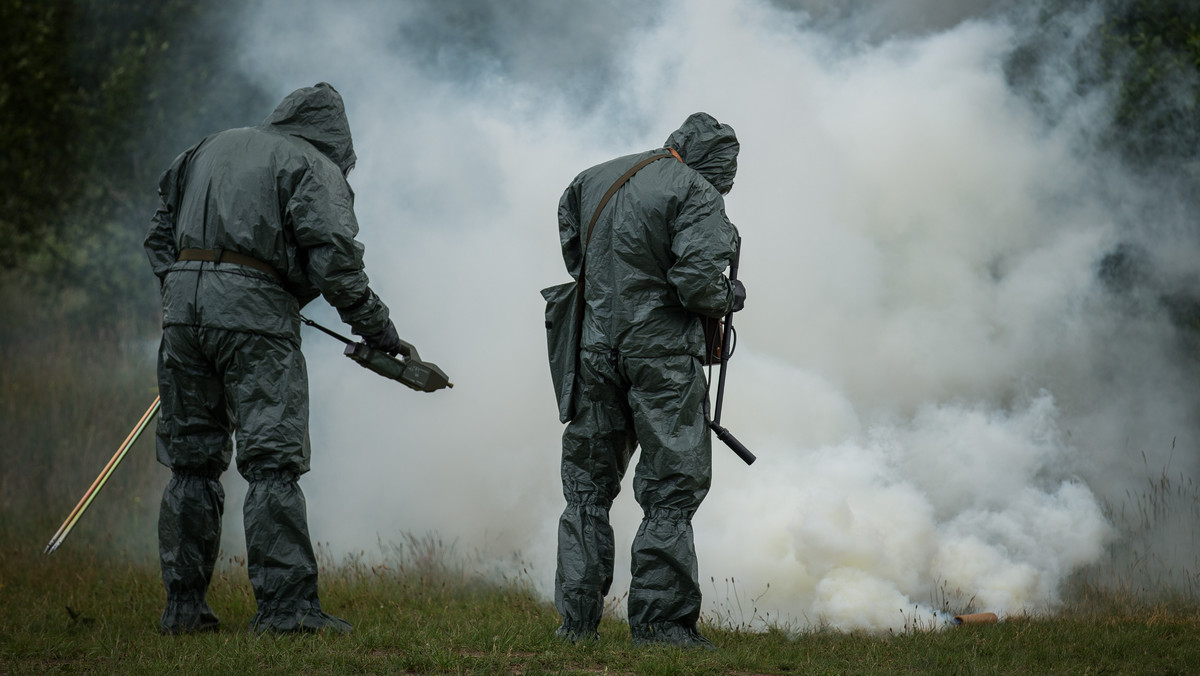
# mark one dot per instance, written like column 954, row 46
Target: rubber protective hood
column 709, row 147
column 317, row 115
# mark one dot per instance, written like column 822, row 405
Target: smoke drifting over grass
column 940, row 390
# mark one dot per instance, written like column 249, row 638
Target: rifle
column 726, row 352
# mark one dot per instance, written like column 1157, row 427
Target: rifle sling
column 592, row 224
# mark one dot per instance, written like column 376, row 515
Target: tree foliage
column 1155, row 51
column 1144, row 55
column 96, row 97
column 1141, row 59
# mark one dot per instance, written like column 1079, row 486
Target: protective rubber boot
column 664, row 593
column 663, row 548
column 189, row 537
column 672, row 478
column 585, row 570
column 597, row 446
column 280, row 559
column 672, row 635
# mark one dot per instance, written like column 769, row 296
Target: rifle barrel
column 734, row 445
column 727, row 337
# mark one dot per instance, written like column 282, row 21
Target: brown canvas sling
column 591, row 225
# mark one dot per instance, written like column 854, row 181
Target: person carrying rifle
column 253, row 224
column 652, row 264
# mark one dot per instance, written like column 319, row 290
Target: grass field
column 93, row 606
column 79, row 611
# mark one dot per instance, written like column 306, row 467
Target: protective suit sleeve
column 704, row 243
column 160, row 239
column 322, row 213
column 569, row 228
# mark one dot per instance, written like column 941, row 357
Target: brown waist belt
column 219, row 256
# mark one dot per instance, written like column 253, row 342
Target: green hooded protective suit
column 654, row 263
column 275, row 200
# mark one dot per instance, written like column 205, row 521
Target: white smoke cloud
column 938, row 392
